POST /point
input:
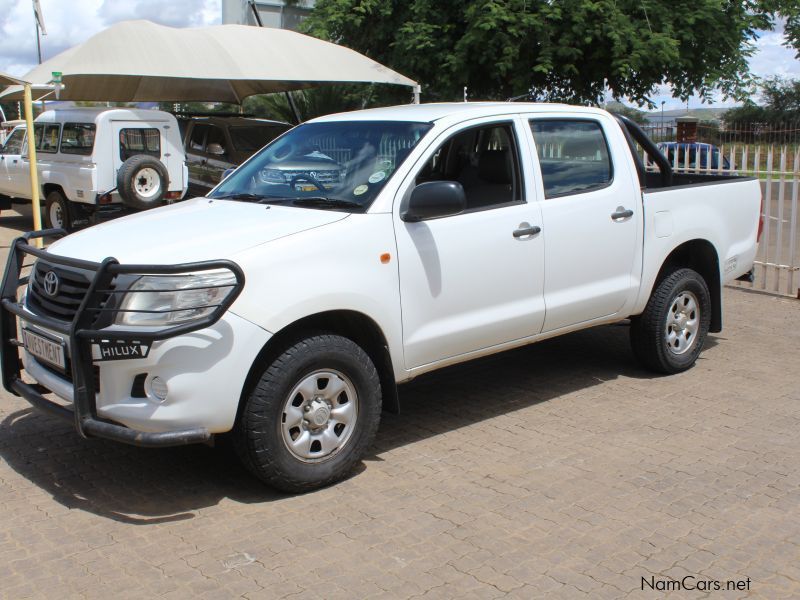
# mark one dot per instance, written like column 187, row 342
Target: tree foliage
column 569, row 50
column 781, row 104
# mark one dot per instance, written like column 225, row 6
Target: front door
column 467, row 282
column 15, row 171
column 590, row 218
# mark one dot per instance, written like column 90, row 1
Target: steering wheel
column 309, row 178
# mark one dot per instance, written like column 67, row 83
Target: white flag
column 37, row 11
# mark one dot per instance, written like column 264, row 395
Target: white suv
column 95, row 162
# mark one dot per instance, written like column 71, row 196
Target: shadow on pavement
column 14, row 222
column 148, row 486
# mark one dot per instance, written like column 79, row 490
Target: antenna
column 39, row 18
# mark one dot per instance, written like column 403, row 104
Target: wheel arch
column 701, row 256
column 354, row 325
column 53, row 187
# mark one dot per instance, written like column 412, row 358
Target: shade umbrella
column 26, row 96
column 138, row 61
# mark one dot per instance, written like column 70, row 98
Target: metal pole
column 38, row 44
column 37, row 212
column 417, row 91
column 293, row 106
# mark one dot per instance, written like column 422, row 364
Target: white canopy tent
column 138, row 61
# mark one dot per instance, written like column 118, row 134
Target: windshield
column 325, row 165
column 250, row 139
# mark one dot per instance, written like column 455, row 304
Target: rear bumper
column 81, row 336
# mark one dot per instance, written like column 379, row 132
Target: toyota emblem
column 51, row 284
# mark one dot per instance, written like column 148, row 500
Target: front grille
column 326, row 177
column 72, row 287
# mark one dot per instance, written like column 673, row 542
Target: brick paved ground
column 559, row 470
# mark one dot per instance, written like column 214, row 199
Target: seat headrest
column 494, row 166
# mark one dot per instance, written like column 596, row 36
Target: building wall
column 273, row 13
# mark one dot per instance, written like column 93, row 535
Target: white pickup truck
column 356, row 252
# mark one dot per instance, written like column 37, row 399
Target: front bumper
column 81, row 336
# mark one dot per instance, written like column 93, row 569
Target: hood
column 195, row 230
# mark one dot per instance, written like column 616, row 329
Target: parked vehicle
column 703, row 156
column 95, row 162
column 286, row 312
column 215, row 145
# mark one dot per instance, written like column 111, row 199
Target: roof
column 92, row 114
column 463, row 110
column 236, row 121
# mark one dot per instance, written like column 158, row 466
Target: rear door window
column 133, row 141
column 77, row 138
column 573, row 156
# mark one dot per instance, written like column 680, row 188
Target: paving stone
column 560, row 470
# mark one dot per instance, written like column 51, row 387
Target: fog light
column 159, row 388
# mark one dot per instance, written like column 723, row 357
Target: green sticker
column 360, row 190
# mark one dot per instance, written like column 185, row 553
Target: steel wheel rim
column 319, row 416
column 146, row 182
column 683, row 323
column 56, row 215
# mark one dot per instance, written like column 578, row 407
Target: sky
column 69, row 22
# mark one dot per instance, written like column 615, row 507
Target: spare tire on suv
column 142, row 182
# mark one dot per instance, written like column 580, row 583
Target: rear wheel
column 669, row 335
column 311, row 416
column 56, row 212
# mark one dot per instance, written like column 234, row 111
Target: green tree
column 780, row 104
column 634, row 114
column 569, row 50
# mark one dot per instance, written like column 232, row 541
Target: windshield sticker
column 377, row 177
column 360, row 190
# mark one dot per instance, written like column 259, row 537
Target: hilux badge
column 51, row 284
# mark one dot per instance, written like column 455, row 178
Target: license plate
column 45, row 349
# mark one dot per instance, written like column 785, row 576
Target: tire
column 56, row 212
column 142, row 182
column 288, row 432
column 669, row 335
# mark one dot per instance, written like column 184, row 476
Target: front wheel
column 669, row 335
column 311, row 416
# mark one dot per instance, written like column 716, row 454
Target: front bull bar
column 81, row 336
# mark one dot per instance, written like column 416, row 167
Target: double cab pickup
column 356, row 252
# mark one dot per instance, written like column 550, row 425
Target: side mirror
column 434, row 199
column 215, row 149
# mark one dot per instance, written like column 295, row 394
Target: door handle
column 526, row 230
column 621, row 214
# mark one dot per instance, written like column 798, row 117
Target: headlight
column 160, row 300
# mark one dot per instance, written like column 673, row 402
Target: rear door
column 591, row 216
column 148, row 138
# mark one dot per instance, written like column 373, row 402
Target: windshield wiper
column 252, row 198
column 325, row 202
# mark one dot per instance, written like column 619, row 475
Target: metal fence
column 778, row 169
